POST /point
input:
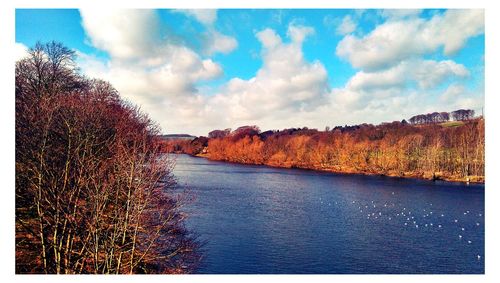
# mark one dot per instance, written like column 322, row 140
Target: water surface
column 258, row 219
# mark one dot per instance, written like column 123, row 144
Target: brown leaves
column 395, row 148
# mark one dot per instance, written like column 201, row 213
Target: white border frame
column 7, row 201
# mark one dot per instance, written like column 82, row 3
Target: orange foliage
column 396, row 149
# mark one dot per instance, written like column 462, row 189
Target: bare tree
column 93, row 192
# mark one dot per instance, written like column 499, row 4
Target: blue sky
column 196, row 70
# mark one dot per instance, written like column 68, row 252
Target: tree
column 93, row 192
column 462, row 114
column 444, row 116
column 217, row 134
column 243, row 131
column 435, row 117
column 394, row 148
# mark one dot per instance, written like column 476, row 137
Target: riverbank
column 432, row 176
column 397, row 149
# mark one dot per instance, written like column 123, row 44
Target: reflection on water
column 258, row 219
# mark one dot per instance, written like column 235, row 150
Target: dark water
column 257, row 219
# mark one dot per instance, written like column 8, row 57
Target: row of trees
column 236, row 134
column 93, row 191
column 395, row 148
column 199, row 144
column 440, row 117
column 463, row 114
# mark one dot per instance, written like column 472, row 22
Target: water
column 257, row 219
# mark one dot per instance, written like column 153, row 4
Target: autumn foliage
column 93, row 191
column 396, row 149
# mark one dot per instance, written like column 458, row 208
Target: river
column 260, row 220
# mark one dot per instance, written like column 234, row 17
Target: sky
column 194, row 71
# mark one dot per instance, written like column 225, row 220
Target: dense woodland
column 451, row 151
column 93, row 192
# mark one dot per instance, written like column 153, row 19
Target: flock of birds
column 423, row 218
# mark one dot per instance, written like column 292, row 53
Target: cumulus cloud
column 394, row 78
column 406, row 88
column 425, row 73
column 394, row 81
column 173, row 79
column 213, row 40
column 216, row 42
column 204, row 16
column 285, row 84
column 123, row 34
column 158, row 77
column 20, row 51
column 366, row 88
column 397, row 40
column 430, row 73
column 346, row 26
column 455, row 27
column 453, row 93
column 458, row 96
column 298, row 33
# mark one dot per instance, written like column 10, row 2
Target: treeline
column 396, row 149
column 93, row 191
column 440, row 117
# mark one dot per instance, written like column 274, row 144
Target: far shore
column 436, row 176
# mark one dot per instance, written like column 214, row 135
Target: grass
column 452, row 124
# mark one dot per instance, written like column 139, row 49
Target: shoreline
column 406, row 175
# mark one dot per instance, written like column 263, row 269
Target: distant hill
column 177, row 137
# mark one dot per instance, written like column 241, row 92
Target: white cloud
column 400, row 13
column 20, row 51
column 412, row 76
column 285, row 85
column 213, row 40
column 216, row 42
column 152, row 87
column 425, row 73
column 298, row 33
column 204, row 16
column 330, row 21
column 346, row 26
column 394, row 80
column 268, row 38
column 124, row 34
column 158, row 77
column 457, row 96
column 430, row 73
column 394, row 41
column 452, row 93
column 455, row 27
column 287, row 91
